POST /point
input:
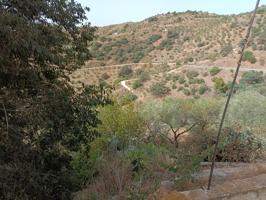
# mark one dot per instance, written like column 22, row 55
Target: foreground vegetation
column 143, row 144
column 56, row 140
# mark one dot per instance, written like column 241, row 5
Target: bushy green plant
column 202, row 89
column 105, row 76
column 252, row 77
column 249, row 56
column 172, row 34
column 180, row 88
column 144, row 77
column 181, row 80
column 126, row 71
column 214, row 70
column 136, row 84
column 192, row 74
column 159, row 89
column 139, row 71
column 175, row 77
column 166, row 44
column 137, row 56
column 174, row 86
column 127, row 98
column 154, row 38
column 178, row 64
column 219, row 85
column 186, row 92
column 120, row 121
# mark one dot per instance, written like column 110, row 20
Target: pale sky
column 106, row 12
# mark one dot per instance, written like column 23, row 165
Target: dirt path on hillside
column 198, row 67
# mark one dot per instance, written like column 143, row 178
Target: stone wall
column 253, row 188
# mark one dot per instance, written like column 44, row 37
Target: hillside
column 187, row 37
column 168, row 46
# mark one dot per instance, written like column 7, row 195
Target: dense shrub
column 105, row 76
column 120, row 55
column 178, row 64
column 136, row 84
column 127, row 98
column 144, row 77
column 139, row 71
column 174, row 86
column 166, row 44
column 220, row 85
column 172, row 35
column 252, row 77
column 137, row 56
column 192, row 74
column 215, row 70
column 159, row 89
column 181, row 80
column 126, row 71
column 186, row 92
column 154, row 38
column 175, row 77
column 249, row 56
column 202, row 89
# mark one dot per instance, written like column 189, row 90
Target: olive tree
column 170, row 118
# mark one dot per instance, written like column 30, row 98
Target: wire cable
column 245, row 41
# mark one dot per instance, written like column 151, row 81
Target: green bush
column 105, row 76
column 180, row 88
column 137, row 83
column 215, row 70
column 202, row 89
column 128, row 98
column 192, row 81
column 252, row 77
column 159, row 89
column 186, row 92
column 139, row 72
column 178, row 64
column 137, row 56
column 174, row 86
column 181, row 80
column 175, row 77
column 166, row 44
column 192, row 74
column 249, row 56
column 144, row 77
column 200, row 81
column 262, row 91
column 172, row 34
column 154, row 38
column 168, row 77
column 126, row 71
column 220, row 85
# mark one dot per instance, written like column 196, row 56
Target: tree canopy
column 42, row 119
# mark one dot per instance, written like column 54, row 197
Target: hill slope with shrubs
column 187, row 37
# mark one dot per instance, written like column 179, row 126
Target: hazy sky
column 106, row 12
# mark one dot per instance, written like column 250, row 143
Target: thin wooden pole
column 231, row 91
